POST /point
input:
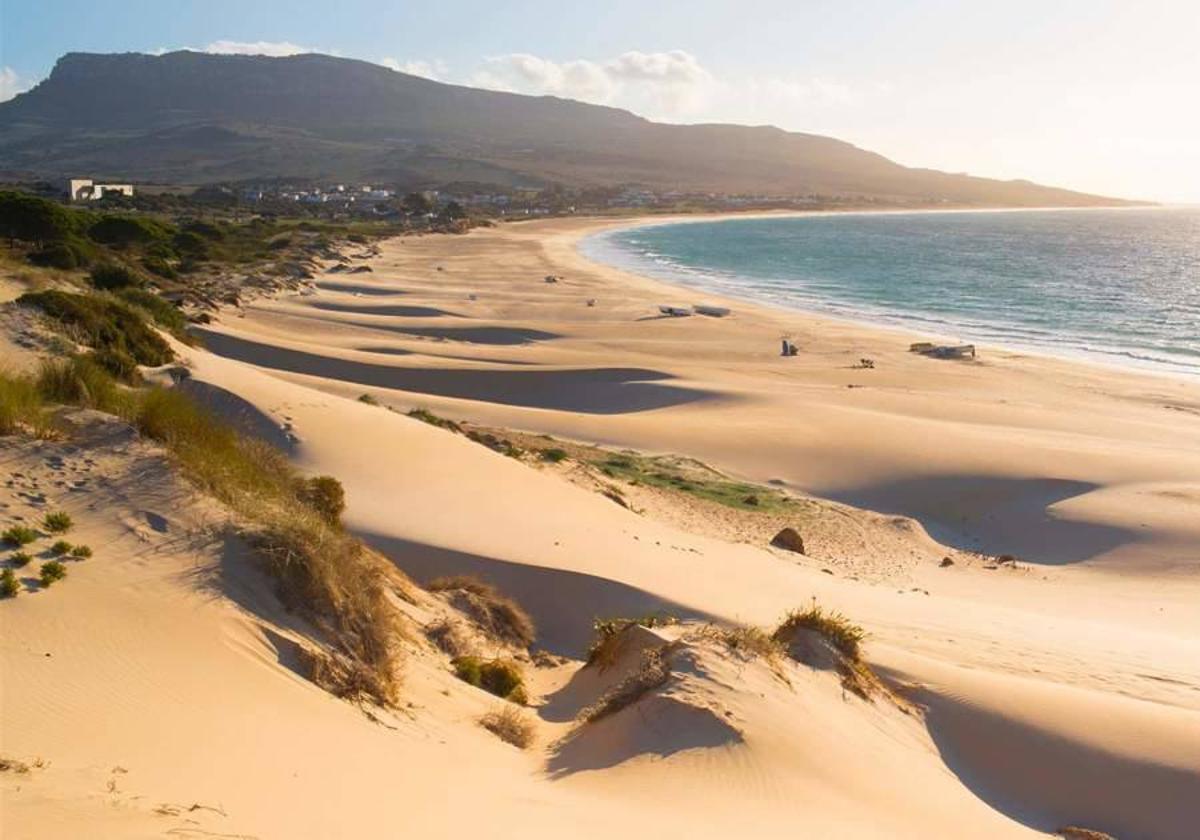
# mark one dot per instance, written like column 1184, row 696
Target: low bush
column 426, row 416
column 19, row 535
column 509, row 725
column 8, row 584
column 325, row 495
column 60, row 548
column 118, row 364
column 123, row 230
column 81, row 552
column 164, row 313
column 21, row 559
column 159, row 267
column 501, row 677
column 498, row 616
column 66, row 254
column 52, row 571
column 109, row 276
column 58, row 522
column 368, row 399
column 554, row 456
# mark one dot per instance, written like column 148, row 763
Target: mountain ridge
column 191, row 117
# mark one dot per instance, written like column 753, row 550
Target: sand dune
column 1065, row 690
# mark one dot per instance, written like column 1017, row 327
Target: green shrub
column 33, row 219
column 190, row 244
column 501, row 677
column 325, row 495
column 205, row 229
column 21, row 559
column 103, row 324
column 117, row 363
column 8, row 584
column 60, row 548
column 109, row 276
column 19, row 535
column 56, row 255
column 58, row 522
column 554, row 455
column 368, row 399
column 52, row 571
column 123, row 230
column 164, row 313
column 159, row 267
column 81, row 552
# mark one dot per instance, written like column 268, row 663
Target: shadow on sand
column 590, row 390
column 993, row 514
column 563, row 603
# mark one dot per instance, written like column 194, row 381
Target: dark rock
column 789, row 540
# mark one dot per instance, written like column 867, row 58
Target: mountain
column 187, row 117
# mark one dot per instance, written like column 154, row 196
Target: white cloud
column 435, row 70
column 10, row 84
column 275, row 49
column 271, row 48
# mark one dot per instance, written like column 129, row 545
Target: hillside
column 188, row 117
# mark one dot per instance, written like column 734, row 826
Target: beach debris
column 591, row 301
column 472, row 296
column 864, row 364
column 711, row 311
column 788, row 348
column 675, row 311
column 361, row 269
column 552, row 278
column 789, row 540
column 946, row 562
column 943, row 351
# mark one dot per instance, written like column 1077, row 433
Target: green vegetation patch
column 8, row 584
column 51, row 572
column 501, row 677
column 104, row 324
column 693, row 478
column 58, row 522
column 19, row 535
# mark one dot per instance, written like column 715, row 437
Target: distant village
column 448, row 203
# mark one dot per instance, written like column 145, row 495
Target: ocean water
column 1121, row 286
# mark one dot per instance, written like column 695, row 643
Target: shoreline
column 866, row 320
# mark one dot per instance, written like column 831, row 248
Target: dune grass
column 499, row 617
column 22, row 407
column 8, row 584
column 52, row 571
column 61, row 548
column 81, row 552
column 509, row 725
column 57, row 522
column 323, row 572
column 20, row 559
column 19, row 535
column 842, row 633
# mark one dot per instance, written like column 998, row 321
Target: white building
column 82, row 189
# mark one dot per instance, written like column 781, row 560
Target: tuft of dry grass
column 653, row 672
column 22, row 408
column 842, row 652
column 1074, row 832
column 450, row 638
column 58, row 522
column 510, row 725
column 497, row 616
column 839, row 630
column 19, row 535
column 747, row 642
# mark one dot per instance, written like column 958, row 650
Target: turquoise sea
column 1121, row 286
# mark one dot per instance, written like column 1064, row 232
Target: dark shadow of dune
column 242, row 415
column 399, row 351
column 394, row 310
column 563, row 603
column 358, row 288
column 656, row 725
column 993, row 514
column 1046, row 781
column 589, row 391
column 498, row 336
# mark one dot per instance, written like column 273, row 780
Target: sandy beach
column 1059, row 689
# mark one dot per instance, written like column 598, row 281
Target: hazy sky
column 1102, row 96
